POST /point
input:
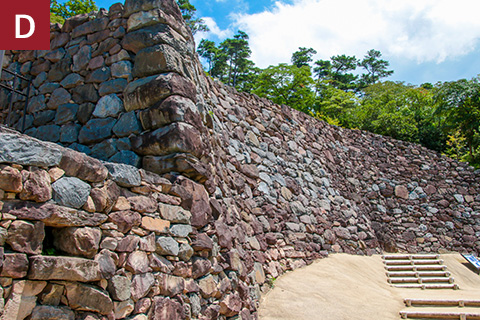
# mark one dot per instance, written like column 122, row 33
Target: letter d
column 18, row 35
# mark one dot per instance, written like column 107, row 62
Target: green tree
column 208, row 50
column 287, row 84
column 376, row 68
column 401, row 111
column 188, row 13
column 237, row 51
column 303, row 57
column 337, row 105
column 459, row 104
column 60, row 12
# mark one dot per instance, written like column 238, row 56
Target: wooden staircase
column 424, row 271
column 441, row 309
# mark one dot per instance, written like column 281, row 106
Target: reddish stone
column 76, row 164
column 202, row 242
column 26, row 237
column 166, row 309
column 105, row 198
column 78, row 241
column 195, row 199
column 125, row 220
column 231, row 305
column 143, row 204
column 37, row 186
column 11, row 180
column 15, row 265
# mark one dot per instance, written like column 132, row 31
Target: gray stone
column 144, row 93
column 26, row 151
column 66, row 113
column 48, row 133
column 84, row 112
column 59, row 96
column 124, row 175
column 104, row 149
column 174, row 214
column 39, row 80
column 55, row 55
column 119, row 287
column 48, row 87
column 186, row 252
column 71, row 192
column 36, row 104
column 99, row 75
column 71, row 81
column 96, row 130
column 90, row 27
column 126, row 157
column 43, row 117
column 81, row 59
column 122, row 69
column 180, row 230
column 159, row 59
column 127, row 124
column 167, row 246
column 85, row 93
column 69, row 132
column 108, row 106
column 112, row 86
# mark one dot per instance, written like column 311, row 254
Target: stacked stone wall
column 234, row 190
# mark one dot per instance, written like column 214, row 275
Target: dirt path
column 345, row 287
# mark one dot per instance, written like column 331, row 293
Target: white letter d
column 17, row 26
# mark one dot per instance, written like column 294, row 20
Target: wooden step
column 439, row 315
column 427, row 286
column 413, row 262
column 442, row 303
column 411, row 256
column 420, row 280
column 416, row 268
column 418, row 274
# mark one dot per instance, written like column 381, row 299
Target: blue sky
column 424, row 40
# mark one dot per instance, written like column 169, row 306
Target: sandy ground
column 355, row 287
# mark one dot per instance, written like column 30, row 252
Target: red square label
column 25, row 25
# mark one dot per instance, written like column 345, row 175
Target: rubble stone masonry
column 142, row 189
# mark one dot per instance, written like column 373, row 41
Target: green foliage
column 287, row 84
column 376, row 68
column 459, row 107
column 303, row 57
column 60, row 12
column 337, row 106
column 188, row 13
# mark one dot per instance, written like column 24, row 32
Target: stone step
column 443, row 303
column 439, row 315
column 418, row 274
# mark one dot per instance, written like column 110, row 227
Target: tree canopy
column 59, row 12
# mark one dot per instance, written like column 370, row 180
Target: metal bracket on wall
column 13, row 89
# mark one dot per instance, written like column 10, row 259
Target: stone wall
column 233, row 192
column 84, row 90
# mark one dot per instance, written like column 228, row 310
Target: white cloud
column 419, row 30
column 215, row 32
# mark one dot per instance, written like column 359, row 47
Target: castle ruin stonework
column 143, row 189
